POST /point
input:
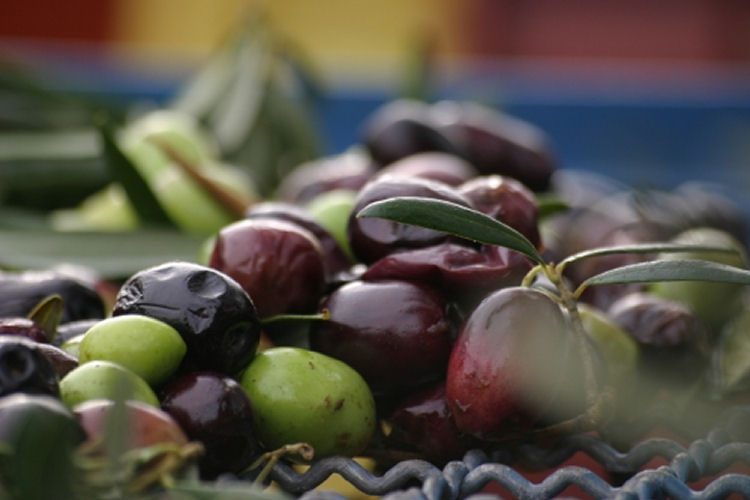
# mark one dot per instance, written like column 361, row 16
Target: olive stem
column 529, row 278
column 269, row 459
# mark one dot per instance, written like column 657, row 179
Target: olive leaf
column 48, row 313
column 321, row 316
column 451, row 218
column 148, row 208
column 669, row 270
column 643, row 248
column 550, row 205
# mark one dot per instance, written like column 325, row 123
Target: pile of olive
column 305, row 323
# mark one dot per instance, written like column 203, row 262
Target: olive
column 214, row 315
column 372, row 238
column 396, row 334
column 401, row 128
column 279, row 264
column 507, row 200
column 299, row 395
column 66, row 331
column 443, row 167
column 20, row 292
column 104, row 380
column 497, row 143
column 514, row 365
column 23, row 327
column 149, row 347
column 25, row 368
column 214, row 409
column 39, row 435
column 335, row 259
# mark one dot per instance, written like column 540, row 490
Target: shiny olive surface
column 513, row 364
column 396, row 334
column 444, row 167
column 23, row 327
column 278, row 263
column 373, row 238
column 212, row 313
column 214, row 409
column 507, row 200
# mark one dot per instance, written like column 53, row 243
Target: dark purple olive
column 278, row 263
column 396, row 334
column 350, row 171
column 463, row 273
column 215, row 410
column 335, row 259
column 507, row 200
column 497, row 143
column 402, row 128
column 67, row 331
column 673, row 340
column 214, row 315
column 40, row 430
column 444, row 167
column 425, row 422
column 23, row 327
column 372, row 238
column 21, row 292
column 25, row 368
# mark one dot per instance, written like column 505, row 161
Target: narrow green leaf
column 322, row 316
column 150, row 212
column 670, row 270
column 113, row 255
column 643, row 248
column 550, row 205
column 454, row 219
column 48, row 313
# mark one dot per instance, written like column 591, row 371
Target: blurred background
column 651, row 93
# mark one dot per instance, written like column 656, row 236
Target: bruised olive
column 373, row 238
column 21, row 292
column 401, row 128
column 25, row 368
column 279, row 264
column 396, row 334
column 507, row 200
column 214, row 409
column 514, row 364
column 212, row 313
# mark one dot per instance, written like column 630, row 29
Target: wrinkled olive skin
column 443, row 167
column 373, row 238
column 44, row 424
column 463, row 273
column 507, row 200
column 673, row 341
column 214, row 409
column 425, row 422
column 335, row 259
column 401, row 128
column 497, row 143
column 21, row 292
column 212, row 313
column 23, row 327
column 279, row 264
column 513, row 365
column 349, row 171
column 25, row 368
column 396, row 334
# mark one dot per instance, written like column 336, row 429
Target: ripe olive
column 214, row 409
column 25, row 368
column 299, row 395
column 214, row 315
column 149, row 347
column 396, row 334
column 444, row 167
column 23, row 327
column 278, row 263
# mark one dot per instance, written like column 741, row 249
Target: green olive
column 300, row 395
column 150, row 348
column 619, row 349
column 104, row 380
column 331, row 209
